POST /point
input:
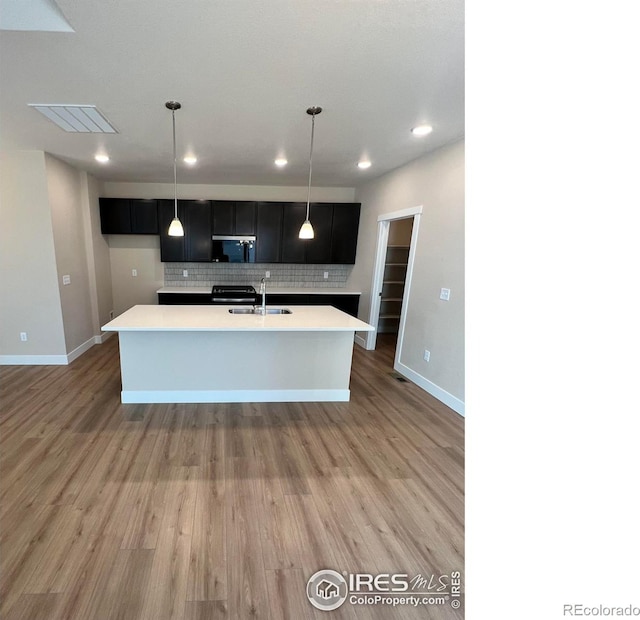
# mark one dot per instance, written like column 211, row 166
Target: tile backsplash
column 281, row 275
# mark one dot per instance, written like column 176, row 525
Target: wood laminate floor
column 203, row 512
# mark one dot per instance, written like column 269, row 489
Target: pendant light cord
column 175, row 168
column 313, row 124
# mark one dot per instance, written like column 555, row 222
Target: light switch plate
column 66, row 280
column 445, row 293
column 134, row 273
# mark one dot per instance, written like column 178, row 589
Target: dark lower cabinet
column 347, row 302
column 184, row 299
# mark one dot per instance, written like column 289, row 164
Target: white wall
column 30, row 300
column 228, row 192
column 436, row 182
column 139, row 252
column 98, row 258
column 142, row 252
column 65, row 186
column 51, row 216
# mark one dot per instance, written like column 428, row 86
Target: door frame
column 384, row 221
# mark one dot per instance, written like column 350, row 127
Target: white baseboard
column 428, row 386
column 33, row 360
column 233, row 396
column 78, row 351
column 53, row 360
column 102, row 337
column 361, row 341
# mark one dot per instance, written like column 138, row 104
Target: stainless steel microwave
column 234, row 249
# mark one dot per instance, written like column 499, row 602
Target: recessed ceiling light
column 281, row 161
column 190, row 159
column 422, row 130
column 103, row 159
column 364, row 164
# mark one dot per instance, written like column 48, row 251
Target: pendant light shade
column 175, row 228
column 306, row 230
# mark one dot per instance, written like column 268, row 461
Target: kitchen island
column 206, row 354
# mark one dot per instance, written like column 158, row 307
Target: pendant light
column 175, row 228
column 306, row 230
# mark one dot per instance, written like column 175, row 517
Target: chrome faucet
column 263, row 292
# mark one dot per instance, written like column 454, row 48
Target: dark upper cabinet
column 172, row 249
column 245, row 218
column 197, row 230
column 144, row 217
column 318, row 249
column 344, row 233
column 124, row 216
column 115, row 216
column 275, row 224
column 268, row 232
column 293, row 248
column 233, row 217
column 223, row 217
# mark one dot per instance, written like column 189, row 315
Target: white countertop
column 278, row 291
column 218, row 318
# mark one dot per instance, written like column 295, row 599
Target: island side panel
column 219, row 366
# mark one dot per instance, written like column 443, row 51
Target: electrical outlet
column 23, row 336
column 267, row 274
column 66, row 280
column 134, row 273
column 185, row 273
column 445, row 293
column 326, row 275
column 427, row 355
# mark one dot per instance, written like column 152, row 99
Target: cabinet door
column 223, row 217
column 144, row 217
column 293, row 248
column 245, row 218
column 344, row 233
column 319, row 248
column 268, row 232
column 197, row 230
column 172, row 249
column 115, row 216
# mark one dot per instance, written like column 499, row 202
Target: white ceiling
column 245, row 72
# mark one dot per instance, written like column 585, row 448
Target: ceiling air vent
column 75, row 118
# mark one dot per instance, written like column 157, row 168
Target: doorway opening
column 393, row 269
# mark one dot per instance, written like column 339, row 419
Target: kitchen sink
column 257, row 311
